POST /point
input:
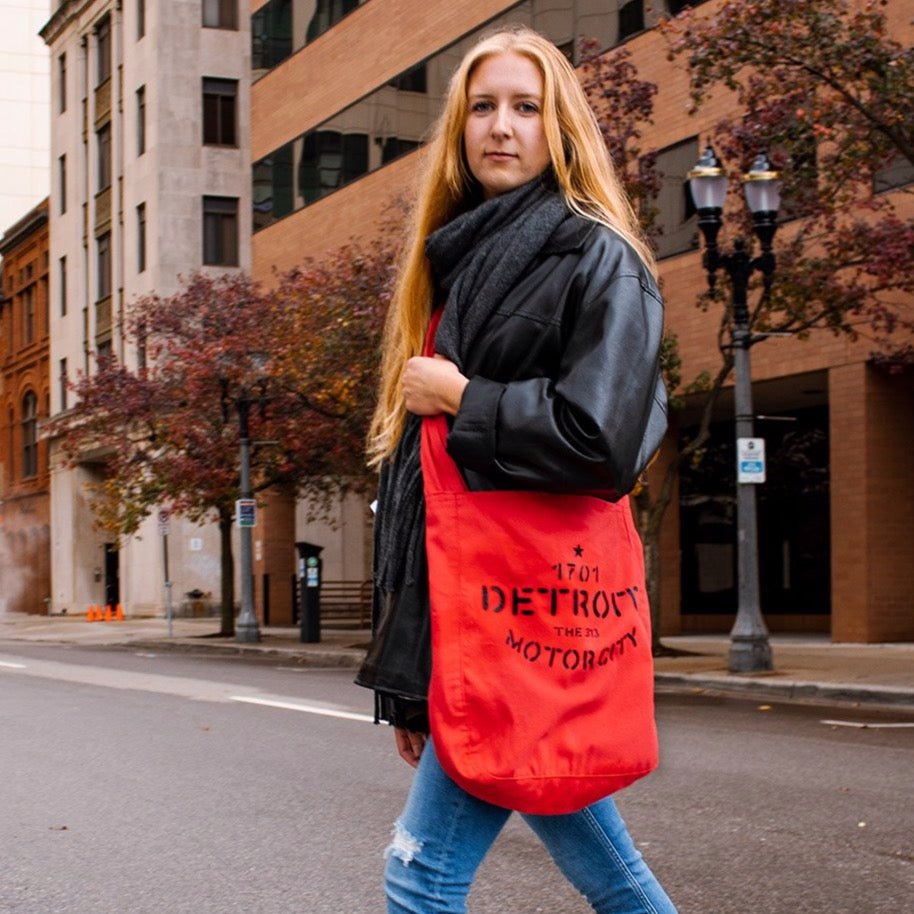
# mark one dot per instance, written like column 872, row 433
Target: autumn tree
column 302, row 351
column 827, row 94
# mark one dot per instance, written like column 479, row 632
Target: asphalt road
column 134, row 783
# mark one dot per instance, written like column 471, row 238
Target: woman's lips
column 500, row 156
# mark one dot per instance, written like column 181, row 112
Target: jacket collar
column 569, row 236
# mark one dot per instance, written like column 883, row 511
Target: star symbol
column 579, row 551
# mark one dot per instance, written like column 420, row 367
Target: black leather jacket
column 565, row 390
column 564, row 394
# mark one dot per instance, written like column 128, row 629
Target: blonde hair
column 582, row 170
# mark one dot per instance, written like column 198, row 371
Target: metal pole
column 749, row 647
column 247, row 630
column 168, row 584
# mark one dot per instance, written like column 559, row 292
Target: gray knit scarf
column 476, row 260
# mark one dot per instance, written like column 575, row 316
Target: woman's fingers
column 409, row 745
column 432, row 386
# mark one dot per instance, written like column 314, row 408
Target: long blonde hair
column 582, row 170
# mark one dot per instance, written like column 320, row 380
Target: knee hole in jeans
column 404, row 846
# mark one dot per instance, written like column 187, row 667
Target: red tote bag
column 541, row 696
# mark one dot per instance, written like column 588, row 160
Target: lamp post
column 750, row 650
column 247, row 629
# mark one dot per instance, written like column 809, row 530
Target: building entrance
column 112, row 575
column 793, row 527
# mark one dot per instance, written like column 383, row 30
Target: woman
column 547, row 360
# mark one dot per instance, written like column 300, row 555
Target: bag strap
column 439, row 472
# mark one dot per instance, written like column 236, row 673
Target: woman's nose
column 501, row 126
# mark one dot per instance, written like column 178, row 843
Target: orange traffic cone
column 109, row 615
column 90, row 613
column 119, row 613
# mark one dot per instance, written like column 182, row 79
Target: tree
column 823, row 90
column 168, row 429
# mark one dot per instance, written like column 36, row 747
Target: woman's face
column 503, row 137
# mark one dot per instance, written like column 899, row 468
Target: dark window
column 394, row 147
column 276, row 33
column 103, row 50
column 414, row 80
column 677, row 228
column 103, row 136
column 63, row 384
column 29, row 435
column 62, row 82
column 28, row 315
column 103, row 350
column 898, row 173
column 103, row 244
column 329, row 160
column 271, row 35
column 140, row 19
column 62, row 180
column 141, row 238
column 220, row 231
column 327, row 14
column 63, row 285
column 45, row 305
column 219, row 106
column 141, row 120
column 631, row 19
column 220, row 14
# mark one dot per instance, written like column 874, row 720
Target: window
column 329, row 160
column 62, row 82
column 220, row 231
column 220, row 14
column 414, row 80
column 63, row 384
column 219, row 106
column 140, row 120
column 140, row 19
column 103, row 50
column 327, row 14
column 29, row 435
column 103, row 247
column 631, row 19
column 141, row 238
column 675, row 209
column 28, row 315
column 897, row 173
column 62, row 274
column 62, row 181
column 45, row 305
column 103, row 137
column 274, row 37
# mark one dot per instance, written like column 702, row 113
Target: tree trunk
column 227, row 564
column 648, row 521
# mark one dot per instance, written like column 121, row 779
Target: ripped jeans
column 444, row 833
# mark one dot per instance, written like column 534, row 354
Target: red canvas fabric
column 541, row 697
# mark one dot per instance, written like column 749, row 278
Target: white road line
column 862, row 725
column 12, row 666
column 308, row 709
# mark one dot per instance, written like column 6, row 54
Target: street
column 137, row 782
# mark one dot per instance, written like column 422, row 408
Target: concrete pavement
column 807, row 668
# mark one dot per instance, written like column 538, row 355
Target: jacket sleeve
column 595, row 425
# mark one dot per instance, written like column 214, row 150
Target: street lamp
column 750, row 650
column 247, row 629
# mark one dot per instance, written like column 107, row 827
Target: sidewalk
column 807, row 668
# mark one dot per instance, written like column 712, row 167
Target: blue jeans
column 444, row 833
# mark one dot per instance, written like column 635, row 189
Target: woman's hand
column 432, row 386
column 409, row 745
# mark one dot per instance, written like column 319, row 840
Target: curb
column 346, row 658
column 797, row 690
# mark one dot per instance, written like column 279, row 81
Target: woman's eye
column 481, row 106
column 528, row 108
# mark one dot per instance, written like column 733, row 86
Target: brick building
column 331, row 145
column 25, row 549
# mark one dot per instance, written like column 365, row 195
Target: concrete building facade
column 149, row 161
column 25, row 532
column 332, row 144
